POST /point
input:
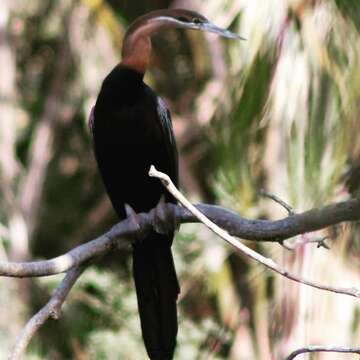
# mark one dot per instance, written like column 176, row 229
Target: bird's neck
column 136, row 52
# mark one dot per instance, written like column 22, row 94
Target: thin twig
column 51, row 309
column 287, row 207
column 137, row 226
column 321, row 348
column 269, row 263
column 275, row 198
column 291, row 212
column 319, row 241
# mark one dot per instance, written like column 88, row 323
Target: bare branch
column 305, row 240
column 128, row 230
column 267, row 262
column 231, row 223
column 124, row 232
column 275, row 198
column 76, row 256
column 320, row 242
column 321, row 348
column 51, row 309
column 275, row 231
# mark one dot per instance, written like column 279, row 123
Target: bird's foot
column 165, row 220
column 134, row 219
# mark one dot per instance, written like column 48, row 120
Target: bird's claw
column 165, row 220
column 129, row 210
column 132, row 216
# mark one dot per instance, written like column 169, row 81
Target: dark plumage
column 132, row 129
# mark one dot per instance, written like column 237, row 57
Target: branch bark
column 51, row 309
column 125, row 231
column 267, row 262
column 138, row 225
column 76, row 256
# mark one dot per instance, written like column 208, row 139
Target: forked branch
column 267, row 262
column 223, row 222
column 51, row 309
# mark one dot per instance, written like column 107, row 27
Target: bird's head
column 137, row 43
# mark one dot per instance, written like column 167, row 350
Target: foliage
column 278, row 111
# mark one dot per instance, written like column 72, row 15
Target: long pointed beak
column 209, row 27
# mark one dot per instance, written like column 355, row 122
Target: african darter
column 131, row 128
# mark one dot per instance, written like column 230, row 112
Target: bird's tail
column 157, row 289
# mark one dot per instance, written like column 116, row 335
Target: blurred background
column 278, row 112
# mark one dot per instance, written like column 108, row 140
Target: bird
column 131, row 129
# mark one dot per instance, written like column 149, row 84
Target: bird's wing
column 166, row 127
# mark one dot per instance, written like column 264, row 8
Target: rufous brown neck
column 136, row 52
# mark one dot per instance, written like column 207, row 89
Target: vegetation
column 279, row 112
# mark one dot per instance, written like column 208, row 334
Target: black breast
column 132, row 130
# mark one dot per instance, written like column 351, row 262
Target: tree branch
column 275, row 198
column 79, row 255
column 125, row 232
column 138, row 225
column 51, row 309
column 274, row 231
column 267, row 262
column 321, row 348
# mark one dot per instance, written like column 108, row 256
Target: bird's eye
column 196, row 21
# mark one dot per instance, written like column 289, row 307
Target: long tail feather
column 157, row 290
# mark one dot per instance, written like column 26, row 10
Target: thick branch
column 77, row 256
column 137, row 225
column 51, row 309
column 122, row 233
column 321, row 348
column 267, row 262
column 267, row 230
